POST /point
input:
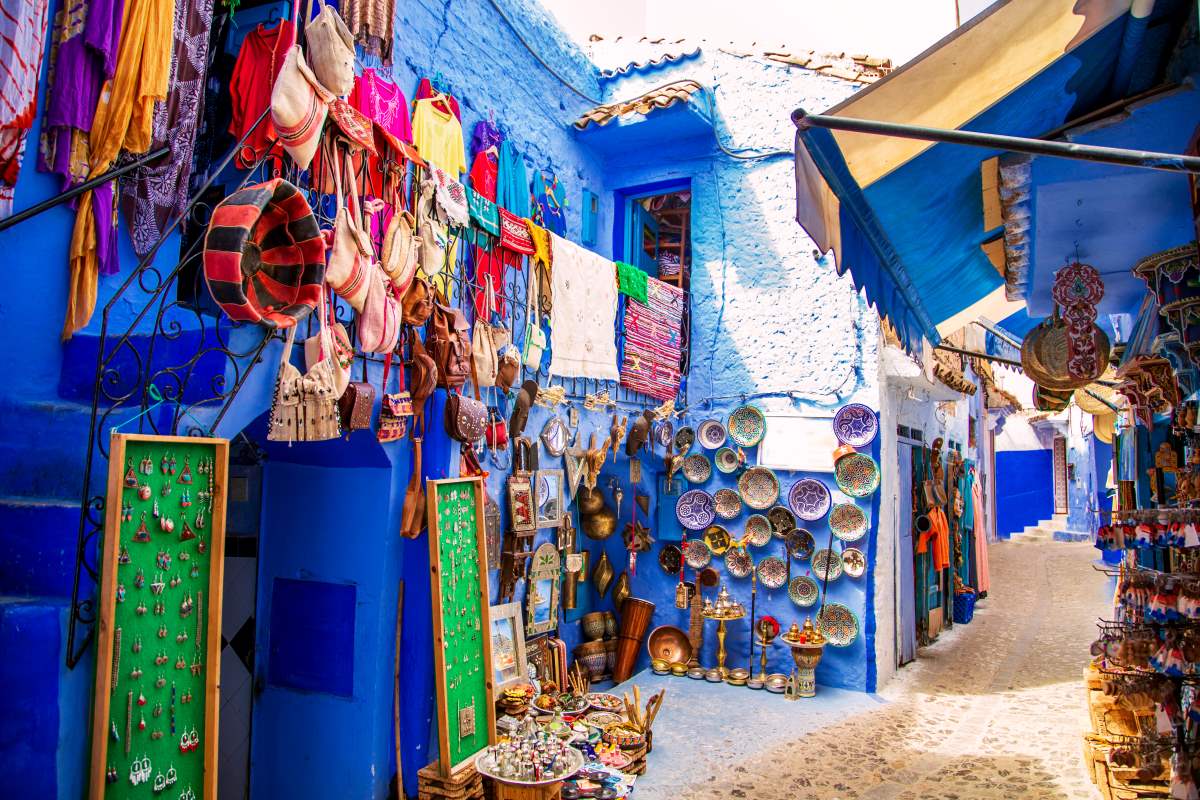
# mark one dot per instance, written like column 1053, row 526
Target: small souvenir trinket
column 139, row 580
column 142, row 535
column 187, row 533
column 186, row 475
column 120, row 593
column 163, row 560
column 131, row 481
column 123, row 556
column 144, row 491
column 162, row 464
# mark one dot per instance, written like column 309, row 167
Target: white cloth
column 583, row 319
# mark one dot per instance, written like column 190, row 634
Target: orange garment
column 123, row 120
column 939, row 532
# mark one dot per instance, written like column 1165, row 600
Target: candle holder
column 723, row 610
column 768, row 629
column 808, row 645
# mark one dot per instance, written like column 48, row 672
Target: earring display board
column 461, row 620
column 156, row 706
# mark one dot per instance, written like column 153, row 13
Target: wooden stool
column 465, row 783
column 513, row 791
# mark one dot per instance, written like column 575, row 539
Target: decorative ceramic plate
column 783, row 521
column 599, row 719
column 684, row 438
column 854, row 561
column 697, row 554
column 728, row 503
column 669, row 558
column 772, row 572
column 809, row 499
column 848, row 522
column 826, row 565
column 857, row 475
column 727, row 460
column 803, row 591
column 838, row 624
column 738, row 563
column 800, row 544
column 694, row 509
column 697, row 468
column 855, row 425
column 747, row 426
column 758, row 530
column 717, row 539
column 759, row 487
column 664, row 432
column 710, row 434
column 602, row 701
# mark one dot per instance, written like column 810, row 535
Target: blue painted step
column 38, row 537
column 44, row 715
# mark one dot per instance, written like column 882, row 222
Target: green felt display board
column 466, row 722
column 159, row 636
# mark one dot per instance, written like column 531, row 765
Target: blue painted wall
column 1024, row 489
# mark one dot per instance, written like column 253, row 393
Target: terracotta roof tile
column 661, row 97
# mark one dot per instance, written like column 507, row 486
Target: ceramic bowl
column 697, row 468
column 772, row 572
column 854, row 562
column 857, row 475
column 670, row 558
column 695, row 509
column 759, row 488
column 838, row 625
column 855, row 425
column 710, row 434
column 696, row 554
column 747, row 426
column 783, row 521
column 685, row 437
column 728, row 503
column 758, row 531
column 848, row 522
column 728, row 461
column 738, row 563
column 717, row 539
column 809, row 499
column 800, row 544
column 803, row 591
column 826, row 566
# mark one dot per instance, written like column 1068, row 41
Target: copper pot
column 635, row 619
column 669, row 643
column 601, row 525
column 590, row 500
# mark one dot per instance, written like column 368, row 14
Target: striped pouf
column 264, row 256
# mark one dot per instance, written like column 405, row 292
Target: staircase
column 1048, row 530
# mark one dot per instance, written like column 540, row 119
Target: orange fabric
column 939, row 534
column 123, row 120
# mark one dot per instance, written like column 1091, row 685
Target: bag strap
column 285, row 357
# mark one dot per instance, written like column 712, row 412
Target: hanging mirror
column 575, row 455
column 549, row 498
column 554, row 436
column 541, row 600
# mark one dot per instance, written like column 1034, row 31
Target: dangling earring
column 162, row 465
column 186, row 475
column 120, row 593
column 154, row 510
column 123, row 556
column 187, row 532
column 172, row 468
column 142, row 534
column 139, row 580
column 131, row 481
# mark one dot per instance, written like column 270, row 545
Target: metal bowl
column 713, row 675
column 660, row 666
column 670, row 644
column 679, row 669
column 777, row 683
column 737, row 676
column 696, row 673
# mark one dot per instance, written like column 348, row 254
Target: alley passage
column 994, row 709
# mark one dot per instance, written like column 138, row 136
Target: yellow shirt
column 439, row 137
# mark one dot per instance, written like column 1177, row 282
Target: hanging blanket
column 583, row 318
column 652, row 341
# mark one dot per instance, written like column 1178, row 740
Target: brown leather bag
column 450, row 345
column 417, row 303
column 466, row 418
column 422, row 380
column 355, row 404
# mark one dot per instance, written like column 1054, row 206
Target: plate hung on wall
column 554, row 436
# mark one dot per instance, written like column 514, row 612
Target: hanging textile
column 123, row 121
column 370, row 23
column 632, row 281
column 381, row 100
column 83, row 56
column 548, row 210
column 512, row 186
column 439, row 137
column 485, row 163
column 156, row 194
column 542, row 257
column 446, row 102
column 258, row 63
column 652, row 348
column 983, row 580
column 582, row 325
column 22, row 33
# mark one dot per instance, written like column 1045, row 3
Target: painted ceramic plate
column 857, row 475
column 759, row 487
column 854, row 562
column 826, row 565
column 855, row 425
column 800, row 544
column 694, row 509
column 728, row 503
column 669, row 558
column 697, row 554
column 738, row 563
column 782, row 520
column 697, row 468
column 838, row 625
column 848, row 522
column 602, row 701
column 747, row 426
column 717, row 539
column 809, row 499
column 599, row 719
column 772, row 572
column 684, row 438
column 664, row 432
column 803, row 591
column 758, row 530
column 710, row 434
column 727, row 460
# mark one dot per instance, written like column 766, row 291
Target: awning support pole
column 1143, row 159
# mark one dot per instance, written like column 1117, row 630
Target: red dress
column 258, row 63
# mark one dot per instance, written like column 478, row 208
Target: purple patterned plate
column 855, row 425
column 695, row 509
column 809, row 499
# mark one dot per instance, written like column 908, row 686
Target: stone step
column 38, row 537
column 46, row 706
column 1056, row 523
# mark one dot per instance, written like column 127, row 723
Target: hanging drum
column 1046, row 355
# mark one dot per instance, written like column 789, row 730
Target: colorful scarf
column 653, row 341
column 22, row 31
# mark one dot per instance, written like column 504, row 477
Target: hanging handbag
column 304, row 408
column 379, row 321
column 466, row 417
column 449, row 343
column 394, row 409
column 432, row 236
column 299, row 106
column 535, row 337
column 486, row 341
column 331, row 340
column 351, row 258
column 496, row 433
column 412, row 514
column 330, row 49
column 423, row 376
column 417, row 303
column 355, row 404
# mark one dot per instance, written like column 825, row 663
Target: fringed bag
column 305, row 406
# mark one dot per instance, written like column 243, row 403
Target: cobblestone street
column 994, row 709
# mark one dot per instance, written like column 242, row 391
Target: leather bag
column 417, row 303
column 424, row 380
column 355, row 404
column 450, row 345
column 466, row 418
column 351, row 260
column 496, row 433
column 394, row 409
column 304, row 408
column 330, row 49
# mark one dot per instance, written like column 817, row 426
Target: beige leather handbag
column 305, row 406
column 299, row 106
column 351, row 262
column 330, row 49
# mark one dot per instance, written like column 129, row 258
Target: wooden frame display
column 158, row 644
column 541, row 593
column 548, row 498
column 461, row 619
column 508, row 646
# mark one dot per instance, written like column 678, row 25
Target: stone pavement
column 994, row 709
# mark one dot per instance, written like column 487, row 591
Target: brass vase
column 602, row 574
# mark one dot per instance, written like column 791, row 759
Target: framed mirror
column 548, row 486
column 508, row 646
column 554, row 436
column 520, row 503
column 541, row 592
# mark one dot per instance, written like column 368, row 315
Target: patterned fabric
column 22, row 32
column 632, row 281
column 583, row 322
column 264, row 256
column 653, row 345
column 514, row 236
column 370, row 23
column 156, row 194
column 484, row 213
